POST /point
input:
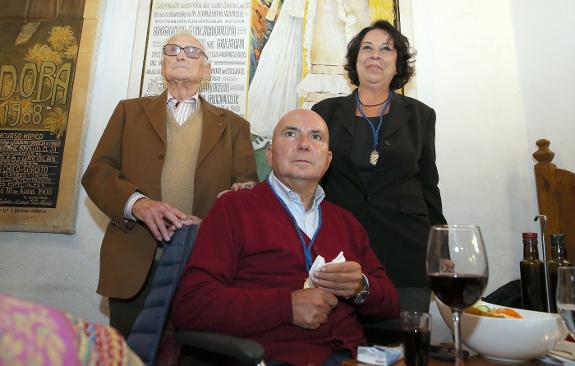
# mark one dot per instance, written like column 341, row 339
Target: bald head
column 298, row 116
column 299, row 151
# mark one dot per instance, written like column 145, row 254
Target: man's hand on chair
column 161, row 219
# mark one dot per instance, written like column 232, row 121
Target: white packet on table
column 379, row 355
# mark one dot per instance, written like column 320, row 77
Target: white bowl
column 508, row 340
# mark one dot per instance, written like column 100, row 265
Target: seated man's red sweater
column 248, row 259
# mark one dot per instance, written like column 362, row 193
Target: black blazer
column 401, row 198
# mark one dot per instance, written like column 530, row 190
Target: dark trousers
column 123, row 312
column 335, row 359
column 414, row 298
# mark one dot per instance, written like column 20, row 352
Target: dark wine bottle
column 558, row 259
column 533, row 293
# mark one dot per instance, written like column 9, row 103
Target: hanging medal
column 374, row 155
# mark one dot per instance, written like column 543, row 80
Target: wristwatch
column 363, row 293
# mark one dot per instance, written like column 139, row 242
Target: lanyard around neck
column 306, row 248
column 374, row 130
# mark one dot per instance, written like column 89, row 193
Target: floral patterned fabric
column 35, row 334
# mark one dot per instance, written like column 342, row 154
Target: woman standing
column 383, row 168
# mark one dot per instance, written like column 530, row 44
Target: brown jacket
column 129, row 158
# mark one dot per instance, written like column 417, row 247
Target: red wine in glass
column 457, row 269
column 458, row 290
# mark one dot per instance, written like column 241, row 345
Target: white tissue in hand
column 317, row 264
column 379, row 355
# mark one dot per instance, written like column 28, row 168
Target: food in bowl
column 508, row 340
column 494, row 312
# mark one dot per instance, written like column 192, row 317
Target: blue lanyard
column 305, row 247
column 374, row 131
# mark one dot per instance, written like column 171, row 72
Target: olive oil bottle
column 533, row 292
column 558, row 259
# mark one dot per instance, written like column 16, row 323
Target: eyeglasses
column 191, row 52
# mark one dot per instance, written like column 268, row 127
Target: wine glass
column 566, row 296
column 457, row 270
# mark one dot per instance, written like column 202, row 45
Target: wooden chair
column 555, row 196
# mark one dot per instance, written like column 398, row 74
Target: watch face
column 363, row 293
column 361, row 297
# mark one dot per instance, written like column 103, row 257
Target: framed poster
column 46, row 70
column 267, row 56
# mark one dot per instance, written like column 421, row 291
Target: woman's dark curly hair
column 405, row 54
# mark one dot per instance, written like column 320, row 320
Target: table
column 472, row 361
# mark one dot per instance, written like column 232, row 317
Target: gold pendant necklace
column 373, row 157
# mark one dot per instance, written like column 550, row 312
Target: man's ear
column 329, row 157
column 269, row 154
column 207, row 71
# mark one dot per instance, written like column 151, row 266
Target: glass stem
column 455, row 315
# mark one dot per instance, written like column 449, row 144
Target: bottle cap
column 558, row 238
column 529, row 236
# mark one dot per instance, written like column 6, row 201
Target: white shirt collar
column 288, row 195
column 195, row 97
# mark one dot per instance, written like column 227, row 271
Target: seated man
column 254, row 249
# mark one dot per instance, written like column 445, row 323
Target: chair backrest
column 148, row 329
column 555, row 196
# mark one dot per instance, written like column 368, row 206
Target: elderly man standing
column 161, row 163
column 255, row 249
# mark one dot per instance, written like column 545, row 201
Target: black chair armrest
column 243, row 350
